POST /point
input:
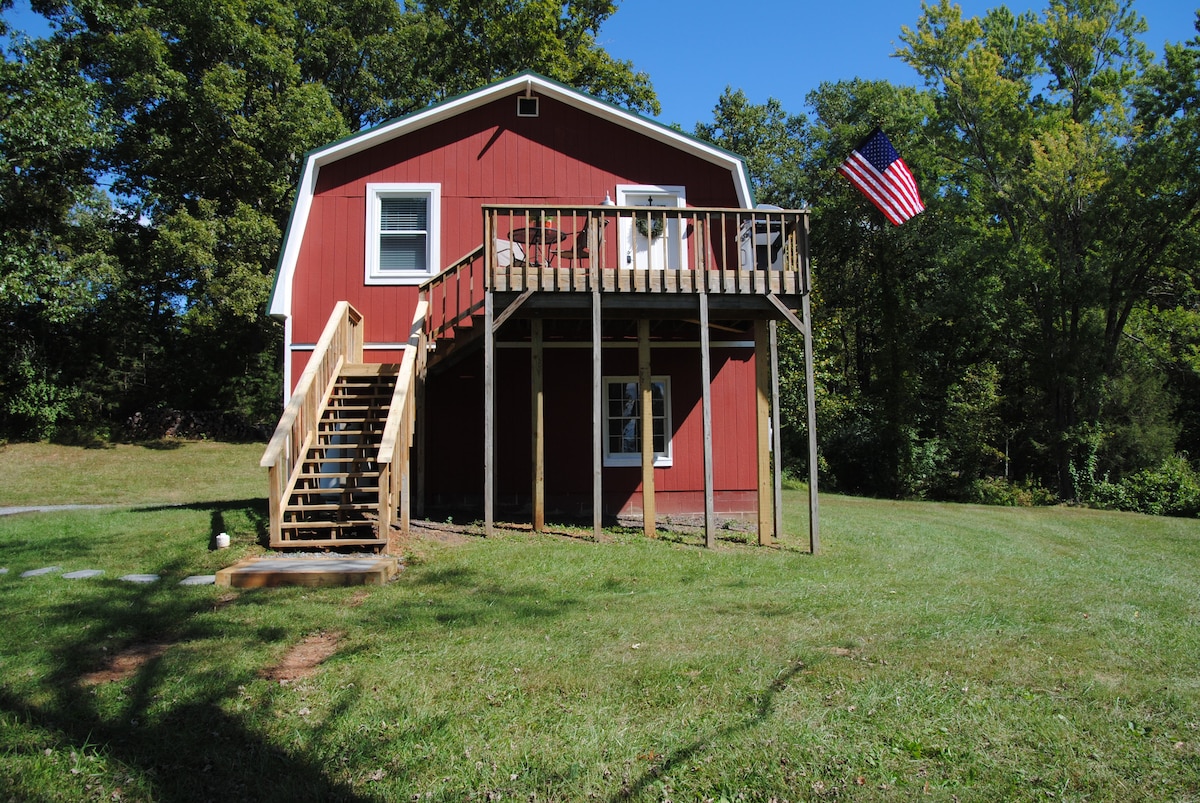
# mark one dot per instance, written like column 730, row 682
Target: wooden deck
column 631, row 280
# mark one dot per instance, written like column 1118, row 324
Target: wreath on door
column 648, row 225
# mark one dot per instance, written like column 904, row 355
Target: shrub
column 1171, row 489
column 999, row 491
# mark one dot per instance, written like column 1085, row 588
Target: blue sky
column 693, row 49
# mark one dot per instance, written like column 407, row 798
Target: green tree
column 1081, row 215
column 53, row 254
column 476, row 42
column 772, row 142
column 196, row 116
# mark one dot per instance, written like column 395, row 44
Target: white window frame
column 662, row 459
column 432, row 193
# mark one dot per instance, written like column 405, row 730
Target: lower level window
column 623, row 420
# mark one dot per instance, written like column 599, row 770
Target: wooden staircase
column 333, row 496
column 338, row 463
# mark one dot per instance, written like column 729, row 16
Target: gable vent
column 527, row 106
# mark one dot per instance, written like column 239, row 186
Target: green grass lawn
column 932, row 652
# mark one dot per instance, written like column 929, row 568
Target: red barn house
column 526, row 302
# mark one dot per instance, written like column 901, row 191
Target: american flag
column 881, row 175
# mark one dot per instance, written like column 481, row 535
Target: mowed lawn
column 931, row 652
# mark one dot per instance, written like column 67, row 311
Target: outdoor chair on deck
column 509, row 254
column 579, row 248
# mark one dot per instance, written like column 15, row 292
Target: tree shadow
column 193, row 751
column 684, row 754
column 201, row 747
column 255, row 510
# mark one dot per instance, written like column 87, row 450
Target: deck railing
column 621, row 249
column 641, row 249
column 340, row 343
column 396, row 440
column 455, row 294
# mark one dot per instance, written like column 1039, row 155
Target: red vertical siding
column 488, row 154
column 565, row 156
column 456, row 414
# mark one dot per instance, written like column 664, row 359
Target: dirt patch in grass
column 303, row 659
column 126, row 663
column 444, row 533
column 224, row 599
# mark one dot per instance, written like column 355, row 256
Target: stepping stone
column 83, row 574
column 140, row 578
column 40, row 572
column 199, row 580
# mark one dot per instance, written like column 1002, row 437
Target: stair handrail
column 453, row 308
column 341, row 341
column 398, row 430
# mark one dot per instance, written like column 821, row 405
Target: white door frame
column 640, row 251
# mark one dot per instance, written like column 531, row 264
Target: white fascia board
column 281, row 301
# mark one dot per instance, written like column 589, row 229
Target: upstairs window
column 402, row 232
column 623, row 421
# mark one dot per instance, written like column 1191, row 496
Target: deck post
column 597, row 412
column 762, row 374
column 489, row 412
column 405, row 484
column 422, row 359
column 646, row 389
column 537, row 388
column 710, row 525
column 810, row 398
column 776, row 438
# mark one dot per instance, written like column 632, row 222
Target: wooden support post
column 710, row 524
column 386, row 502
column 489, row 414
column 598, row 412
column 538, row 425
column 405, row 484
column 776, row 437
column 810, row 398
column 422, row 373
column 762, row 373
column 649, row 523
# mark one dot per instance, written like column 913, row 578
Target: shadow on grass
column 195, row 750
column 255, row 510
column 173, row 729
column 681, row 756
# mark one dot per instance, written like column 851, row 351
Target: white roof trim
column 281, row 300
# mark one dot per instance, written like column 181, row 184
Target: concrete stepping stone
column 41, row 571
column 83, row 574
column 199, row 580
column 140, row 578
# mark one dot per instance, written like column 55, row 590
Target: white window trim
column 661, row 459
column 433, row 241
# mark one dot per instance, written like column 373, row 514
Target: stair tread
column 331, row 506
column 329, row 542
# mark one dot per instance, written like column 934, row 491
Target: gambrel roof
column 280, row 301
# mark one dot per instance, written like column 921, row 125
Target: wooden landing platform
column 333, row 570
